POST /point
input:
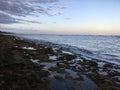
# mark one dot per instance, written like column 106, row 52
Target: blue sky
column 61, row 16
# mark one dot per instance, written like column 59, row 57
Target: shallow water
column 100, row 47
column 68, row 84
column 72, row 73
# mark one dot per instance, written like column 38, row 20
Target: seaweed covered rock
column 67, row 57
column 89, row 63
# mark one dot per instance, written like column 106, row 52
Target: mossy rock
column 67, row 76
column 108, row 65
column 58, row 77
column 56, row 69
column 113, row 73
column 60, row 65
column 67, row 57
column 89, row 63
column 79, row 78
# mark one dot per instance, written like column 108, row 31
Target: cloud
column 6, row 19
column 23, row 8
column 42, row 1
column 55, row 13
column 20, row 7
column 29, row 21
column 61, row 7
column 68, row 18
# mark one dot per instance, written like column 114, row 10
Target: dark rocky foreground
column 27, row 65
column 16, row 70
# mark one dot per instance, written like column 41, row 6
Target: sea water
column 101, row 47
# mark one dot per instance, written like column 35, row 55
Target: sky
column 99, row 17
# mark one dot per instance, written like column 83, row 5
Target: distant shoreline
column 61, row 34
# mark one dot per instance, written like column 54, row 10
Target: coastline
column 27, row 65
column 99, row 48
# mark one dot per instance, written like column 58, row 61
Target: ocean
column 102, row 47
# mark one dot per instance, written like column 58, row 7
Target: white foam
column 53, row 57
column 101, row 64
column 66, row 52
column 54, row 49
column 28, row 48
column 34, row 60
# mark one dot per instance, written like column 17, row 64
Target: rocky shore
column 28, row 65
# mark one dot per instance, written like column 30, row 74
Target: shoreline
column 89, row 54
column 39, row 66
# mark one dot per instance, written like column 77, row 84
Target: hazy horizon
column 76, row 17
